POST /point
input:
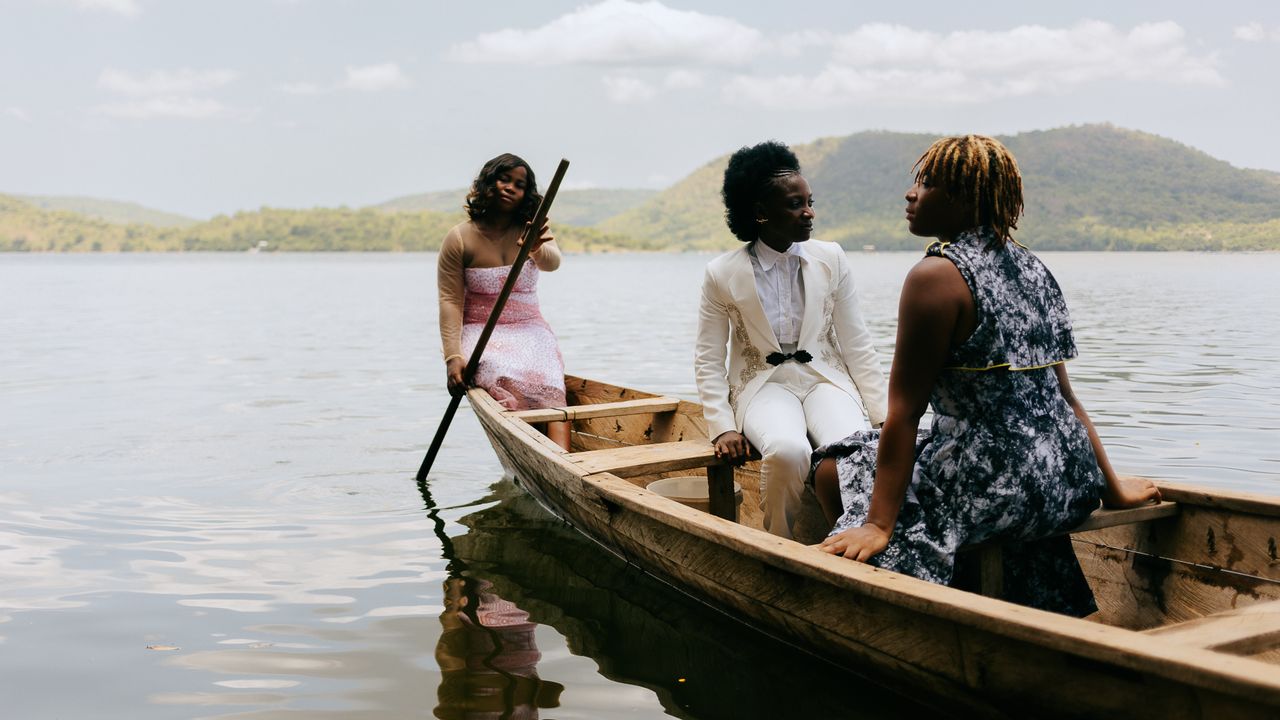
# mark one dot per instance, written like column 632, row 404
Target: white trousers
column 795, row 411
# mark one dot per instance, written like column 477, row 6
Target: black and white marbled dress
column 1005, row 456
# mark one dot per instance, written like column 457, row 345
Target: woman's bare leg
column 559, row 433
column 826, row 485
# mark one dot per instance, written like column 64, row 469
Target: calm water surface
column 207, row 506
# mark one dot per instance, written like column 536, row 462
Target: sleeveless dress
column 521, row 366
column 1005, row 457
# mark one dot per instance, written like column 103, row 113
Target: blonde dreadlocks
column 979, row 172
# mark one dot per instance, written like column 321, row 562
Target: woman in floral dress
column 521, row 367
column 983, row 336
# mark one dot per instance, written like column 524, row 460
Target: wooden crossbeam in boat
column 651, row 459
column 1104, row 518
column 664, row 457
column 990, row 554
column 640, row 406
column 1246, row 631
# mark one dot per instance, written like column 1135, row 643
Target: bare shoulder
column 935, row 281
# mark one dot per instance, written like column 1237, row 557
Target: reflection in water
column 486, row 652
column 640, row 631
column 488, row 658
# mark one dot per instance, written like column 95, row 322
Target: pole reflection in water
column 486, row 652
column 487, row 657
column 699, row 663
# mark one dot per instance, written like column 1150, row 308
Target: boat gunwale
column 1013, row 621
column 1199, row 667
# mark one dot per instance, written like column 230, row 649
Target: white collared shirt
column 780, row 287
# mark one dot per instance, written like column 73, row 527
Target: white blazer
column 732, row 326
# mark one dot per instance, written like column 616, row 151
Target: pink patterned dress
column 521, row 366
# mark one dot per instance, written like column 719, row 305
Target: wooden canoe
column 1188, row 591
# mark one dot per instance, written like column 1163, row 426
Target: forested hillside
column 24, row 227
column 113, row 211
column 572, row 207
column 1094, row 187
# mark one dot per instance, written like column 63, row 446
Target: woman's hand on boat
column 733, row 447
column 544, row 236
column 860, row 543
column 453, row 370
column 1127, row 492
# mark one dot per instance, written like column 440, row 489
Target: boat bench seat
column 990, row 555
column 639, row 406
column 1244, row 631
column 635, row 460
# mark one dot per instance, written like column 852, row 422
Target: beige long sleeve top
column 466, row 246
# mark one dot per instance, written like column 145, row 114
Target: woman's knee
column 789, row 453
column 825, row 477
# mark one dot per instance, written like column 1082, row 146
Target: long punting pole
column 531, row 234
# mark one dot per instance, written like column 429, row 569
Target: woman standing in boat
column 783, row 311
column 522, row 367
column 983, row 336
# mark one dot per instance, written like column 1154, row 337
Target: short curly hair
column 980, row 171
column 482, row 187
column 751, row 173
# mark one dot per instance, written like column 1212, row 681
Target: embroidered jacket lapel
column 742, row 287
column 816, row 286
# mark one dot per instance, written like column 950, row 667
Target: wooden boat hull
column 970, row 654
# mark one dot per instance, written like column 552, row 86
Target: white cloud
column 167, row 94
column 683, row 80
column 1255, row 32
column 164, row 82
column 628, row 89
column 900, row 65
column 374, row 78
column 189, row 108
column 362, row 78
column 797, row 43
column 18, row 113
column 124, row 7
column 876, row 62
column 619, row 32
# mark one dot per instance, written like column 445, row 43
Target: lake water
column 207, row 505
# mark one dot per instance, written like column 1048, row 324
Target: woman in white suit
column 781, row 311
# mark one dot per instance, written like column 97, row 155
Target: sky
column 205, row 107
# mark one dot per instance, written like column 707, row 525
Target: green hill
column 112, row 211
column 583, row 208
column 1090, row 187
column 1094, row 187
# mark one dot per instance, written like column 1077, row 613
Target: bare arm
column 1119, row 492
column 932, row 300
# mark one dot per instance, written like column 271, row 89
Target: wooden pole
column 531, row 235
